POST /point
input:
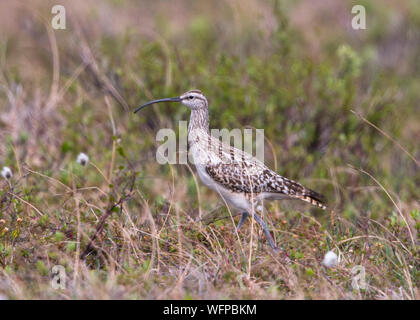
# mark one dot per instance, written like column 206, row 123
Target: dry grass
column 147, row 231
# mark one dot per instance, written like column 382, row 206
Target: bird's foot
column 281, row 251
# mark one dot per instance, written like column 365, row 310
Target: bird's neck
column 199, row 121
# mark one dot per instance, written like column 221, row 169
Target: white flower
column 6, row 173
column 83, row 159
column 330, row 259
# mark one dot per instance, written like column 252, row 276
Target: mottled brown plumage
column 240, row 179
column 237, row 177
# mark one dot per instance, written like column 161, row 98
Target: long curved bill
column 176, row 99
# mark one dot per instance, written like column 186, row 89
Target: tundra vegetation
column 340, row 112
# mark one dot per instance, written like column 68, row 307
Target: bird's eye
column 191, row 97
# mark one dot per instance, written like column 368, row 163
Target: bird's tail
column 313, row 198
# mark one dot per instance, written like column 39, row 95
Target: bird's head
column 193, row 99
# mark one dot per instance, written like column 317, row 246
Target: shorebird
column 240, row 179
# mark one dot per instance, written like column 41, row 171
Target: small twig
column 388, row 136
column 91, row 66
column 392, row 200
column 100, row 226
column 26, row 202
column 108, row 213
column 99, row 79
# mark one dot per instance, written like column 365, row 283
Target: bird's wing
column 248, row 177
column 239, row 171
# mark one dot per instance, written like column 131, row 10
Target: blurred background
column 340, row 109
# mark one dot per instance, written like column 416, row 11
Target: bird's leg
column 267, row 233
column 241, row 222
